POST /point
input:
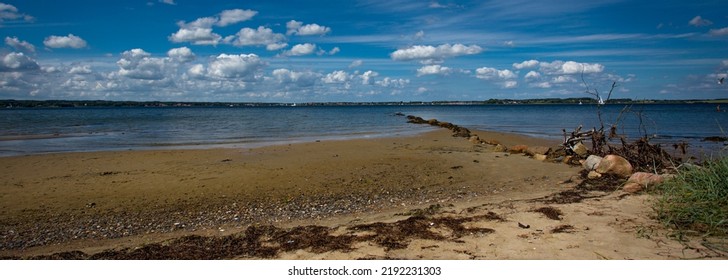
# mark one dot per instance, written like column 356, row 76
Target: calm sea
column 33, row 131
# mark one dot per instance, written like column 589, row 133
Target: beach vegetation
column 696, row 200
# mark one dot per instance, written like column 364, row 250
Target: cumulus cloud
column 183, row 54
column 510, row 84
column 563, row 79
column 526, row 64
column 298, row 28
column 368, row 77
column 80, row 70
column 138, row 64
column 390, row 82
column 262, row 36
column 301, row 79
column 301, row 49
column 196, row 36
column 70, row 41
column 21, row 46
column 559, row 67
column 199, row 31
column 431, row 54
column 542, row 85
column 698, row 21
column 228, row 17
column 719, row 32
column 336, row 77
column 433, row 70
column 17, row 62
column 10, row 12
column 487, row 73
column 532, row 75
column 196, row 71
column 244, row 66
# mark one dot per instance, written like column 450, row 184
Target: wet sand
column 430, row 196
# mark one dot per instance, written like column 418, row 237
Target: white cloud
column 138, row 64
column 301, row 79
column 563, row 79
column 199, row 31
column 571, row 67
column 17, row 62
column 719, row 32
column 336, row 77
column 183, row 54
column 433, row 70
column 262, row 36
column 559, row 67
column 297, row 28
column 533, row 75
column 228, row 17
column 543, row 85
column 334, row 51
column 70, row 41
column 10, row 12
column 698, row 21
column 487, row 73
column 432, row 54
column 356, row 63
column 368, row 77
column 244, row 66
column 21, row 46
column 169, row 2
column 510, row 84
column 419, row 35
column 196, row 36
column 526, row 64
column 196, row 71
column 390, row 82
column 80, row 70
column 301, row 49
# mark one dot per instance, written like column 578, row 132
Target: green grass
column 696, row 199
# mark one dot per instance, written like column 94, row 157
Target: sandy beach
column 430, row 196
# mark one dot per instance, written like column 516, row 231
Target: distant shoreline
column 11, row 103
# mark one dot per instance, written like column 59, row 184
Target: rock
column 616, row 165
column 538, row 150
column 580, row 149
column 415, row 120
column 474, row 139
column 593, row 175
column 646, row 179
column 632, row 188
column 591, row 162
column 518, row 149
column 500, row 148
column 460, row 132
column 539, row 157
column 433, row 122
column 492, row 142
column 446, row 125
column 567, row 159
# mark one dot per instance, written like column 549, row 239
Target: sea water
column 34, row 131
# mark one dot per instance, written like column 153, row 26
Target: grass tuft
column 696, row 199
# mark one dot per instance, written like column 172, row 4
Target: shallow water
column 33, row 131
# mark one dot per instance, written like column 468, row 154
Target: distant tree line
column 5, row 104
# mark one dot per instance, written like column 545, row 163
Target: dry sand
column 430, row 196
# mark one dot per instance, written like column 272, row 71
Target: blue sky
column 368, row 50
